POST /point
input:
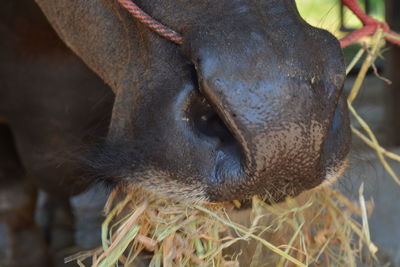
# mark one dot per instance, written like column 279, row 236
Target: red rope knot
column 370, row 26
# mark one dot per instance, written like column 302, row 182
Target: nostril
column 205, row 120
column 208, row 124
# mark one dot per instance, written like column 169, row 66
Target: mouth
column 226, row 182
column 334, row 173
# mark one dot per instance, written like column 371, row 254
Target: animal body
column 251, row 103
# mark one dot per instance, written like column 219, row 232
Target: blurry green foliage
column 326, row 14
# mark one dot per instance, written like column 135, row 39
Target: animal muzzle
column 278, row 122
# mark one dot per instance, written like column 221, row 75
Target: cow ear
column 97, row 31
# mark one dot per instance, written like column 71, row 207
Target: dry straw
column 320, row 227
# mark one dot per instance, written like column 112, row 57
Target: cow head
column 252, row 102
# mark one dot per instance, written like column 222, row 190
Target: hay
column 320, row 227
column 316, row 228
column 376, row 44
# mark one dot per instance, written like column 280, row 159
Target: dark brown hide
column 52, row 103
column 252, row 102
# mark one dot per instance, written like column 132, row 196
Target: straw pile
column 320, row 227
column 316, row 228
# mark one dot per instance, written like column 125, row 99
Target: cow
column 250, row 103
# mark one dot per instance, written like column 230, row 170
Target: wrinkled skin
column 251, row 103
